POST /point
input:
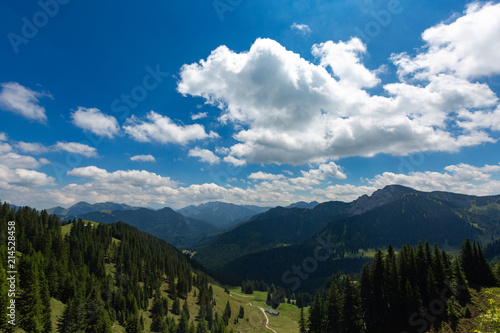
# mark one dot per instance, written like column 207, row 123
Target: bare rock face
column 378, row 198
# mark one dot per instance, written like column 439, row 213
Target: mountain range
column 269, row 244
column 260, row 243
column 83, row 207
column 220, row 214
column 165, row 224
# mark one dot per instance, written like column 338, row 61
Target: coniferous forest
column 414, row 290
column 103, row 274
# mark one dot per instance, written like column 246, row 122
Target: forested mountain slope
column 165, row 224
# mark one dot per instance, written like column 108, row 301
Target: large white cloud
column 158, row 128
column 93, row 120
column 469, row 47
column 289, row 110
column 24, row 101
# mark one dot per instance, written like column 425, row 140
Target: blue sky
column 176, row 103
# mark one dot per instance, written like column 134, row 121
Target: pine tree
column 30, row 303
column 467, row 261
column 97, row 318
column 333, row 303
column 45, row 303
column 73, row 318
column 202, row 326
column 316, row 316
column 134, row 324
column 241, row 314
column 350, row 316
column 183, row 326
column 485, row 274
column 378, row 299
column 227, row 313
column 185, row 309
column 176, row 306
column 302, row 322
column 462, row 293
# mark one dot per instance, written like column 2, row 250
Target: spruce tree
column 302, row 322
column 241, row 314
column 227, row 313
column 467, row 261
column 333, row 303
column 316, row 316
column 183, row 326
column 202, row 326
column 350, row 317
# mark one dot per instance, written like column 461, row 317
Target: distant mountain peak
column 222, row 214
column 378, row 198
column 303, row 204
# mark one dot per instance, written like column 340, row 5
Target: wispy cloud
column 301, row 28
column 23, row 101
column 76, row 148
column 200, row 115
column 143, row 158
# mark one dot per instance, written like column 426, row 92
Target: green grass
column 287, row 321
column 67, row 228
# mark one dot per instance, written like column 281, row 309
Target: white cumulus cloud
column 93, row 120
column 204, row 155
column 468, row 47
column 158, row 128
column 287, row 110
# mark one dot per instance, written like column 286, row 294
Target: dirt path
column 240, row 294
column 265, row 315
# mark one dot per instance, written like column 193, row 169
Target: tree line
column 409, row 291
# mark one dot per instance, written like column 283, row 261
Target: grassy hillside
column 485, row 314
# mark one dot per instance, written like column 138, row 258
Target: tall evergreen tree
column 467, row 261
column 333, row 308
column 302, row 322
column 350, row 320
column 316, row 322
